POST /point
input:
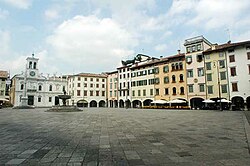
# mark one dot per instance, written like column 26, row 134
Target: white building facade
column 195, row 69
column 87, row 90
column 41, row 91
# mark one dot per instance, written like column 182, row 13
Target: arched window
column 34, row 67
column 50, row 88
column 30, row 65
column 165, row 69
column 182, row 90
column 173, row 67
column 40, row 87
column 173, row 79
column 181, row 78
column 181, row 66
column 174, row 91
column 22, row 86
column 176, row 66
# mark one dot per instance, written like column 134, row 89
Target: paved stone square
column 104, row 136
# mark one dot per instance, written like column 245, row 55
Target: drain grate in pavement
column 183, row 154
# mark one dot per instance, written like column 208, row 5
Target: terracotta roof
column 3, row 74
column 90, row 75
column 226, row 46
column 157, row 61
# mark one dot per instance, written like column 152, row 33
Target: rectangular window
column 157, row 80
column 39, row 99
column 248, row 69
column 165, row 69
column 198, row 47
column 139, row 92
column 199, row 57
column 208, row 65
column 79, row 78
column 223, row 88
column 188, row 49
column 207, row 56
column 110, row 93
column 200, row 72
column 91, row 79
column 189, row 59
column 222, row 63
column 85, row 79
column 85, row 93
column 91, row 93
column 166, row 91
column 144, row 92
column 156, row 70
column 190, row 88
column 103, row 93
column 97, row 80
column 202, row 87
column 110, row 85
column 248, row 55
column 151, row 92
column 233, row 71
column 103, row 85
column 166, row 80
column 133, row 93
column 190, row 73
column 210, row 89
column 50, row 99
column 193, row 48
column 91, row 85
column 231, row 58
column 78, row 93
column 115, row 93
column 234, row 87
column 223, row 75
column 221, row 54
column 209, row 77
column 97, row 93
column 78, row 84
column 85, row 85
column 157, row 92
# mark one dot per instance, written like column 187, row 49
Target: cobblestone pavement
column 123, row 137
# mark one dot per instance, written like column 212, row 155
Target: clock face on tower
column 32, row 73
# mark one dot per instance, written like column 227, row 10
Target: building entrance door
column 30, row 100
column 56, row 100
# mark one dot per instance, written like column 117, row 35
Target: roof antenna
column 229, row 36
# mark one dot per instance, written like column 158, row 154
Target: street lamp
column 218, row 65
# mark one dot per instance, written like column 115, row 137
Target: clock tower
column 31, row 67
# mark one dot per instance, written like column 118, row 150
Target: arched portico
column 196, row 103
column 136, row 104
column 82, row 103
column 237, row 103
column 147, row 102
column 102, row 103
column 93, row 103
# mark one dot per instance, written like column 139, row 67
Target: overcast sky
column 72, row 36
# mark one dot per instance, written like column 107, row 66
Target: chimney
column 161, row 57
column 229, row 42
column 179, row 52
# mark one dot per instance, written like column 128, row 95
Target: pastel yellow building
column 172, row 76
column 112, row 89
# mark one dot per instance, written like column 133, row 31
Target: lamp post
column 218, row 73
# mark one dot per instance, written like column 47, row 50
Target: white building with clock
column 40, row 91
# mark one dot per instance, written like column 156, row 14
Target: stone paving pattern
column 107, row 137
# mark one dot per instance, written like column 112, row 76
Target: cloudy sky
column 72, row 36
